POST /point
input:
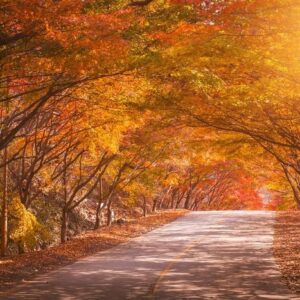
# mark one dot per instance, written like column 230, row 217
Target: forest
column 114, row 106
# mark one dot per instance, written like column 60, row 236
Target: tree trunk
column 64, row 225
column 193, row 206
column 154, row 205
column 296, row 197
column 109, row 214
column 97, row 219
column 178, row 202
column 187, row 201
column 4, row 215
column 293, row 185
column 144, row 206
column 173, row 199
column 161, row 202
column 98, row 210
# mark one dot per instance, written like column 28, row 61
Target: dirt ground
column 286, row 247
column 26, row 266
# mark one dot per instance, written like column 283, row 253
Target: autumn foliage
column 110, row 105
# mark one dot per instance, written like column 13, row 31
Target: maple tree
column 158, row 104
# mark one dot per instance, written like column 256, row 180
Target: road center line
column 170, row 265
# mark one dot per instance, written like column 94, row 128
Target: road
column 203, row 255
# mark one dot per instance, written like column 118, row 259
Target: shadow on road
column 205, row 255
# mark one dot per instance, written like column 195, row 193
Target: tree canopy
column 152, row 103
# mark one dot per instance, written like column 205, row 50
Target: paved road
column 204, row 255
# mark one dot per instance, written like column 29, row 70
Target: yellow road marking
column 170, row 265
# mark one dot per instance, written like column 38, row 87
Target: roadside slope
column 28, row 265
column 286, row 247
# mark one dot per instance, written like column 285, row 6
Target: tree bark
column 154, row 205
column 173, row 198
column 144, row 206
column 163, row 198
column 293, row 185
column 109, row 214
column 4, row 215
column 187, row 201
column 180, row 197
column 97, row 219
column 64, row 225
column 98, row 210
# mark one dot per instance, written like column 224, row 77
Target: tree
column 78, row 180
